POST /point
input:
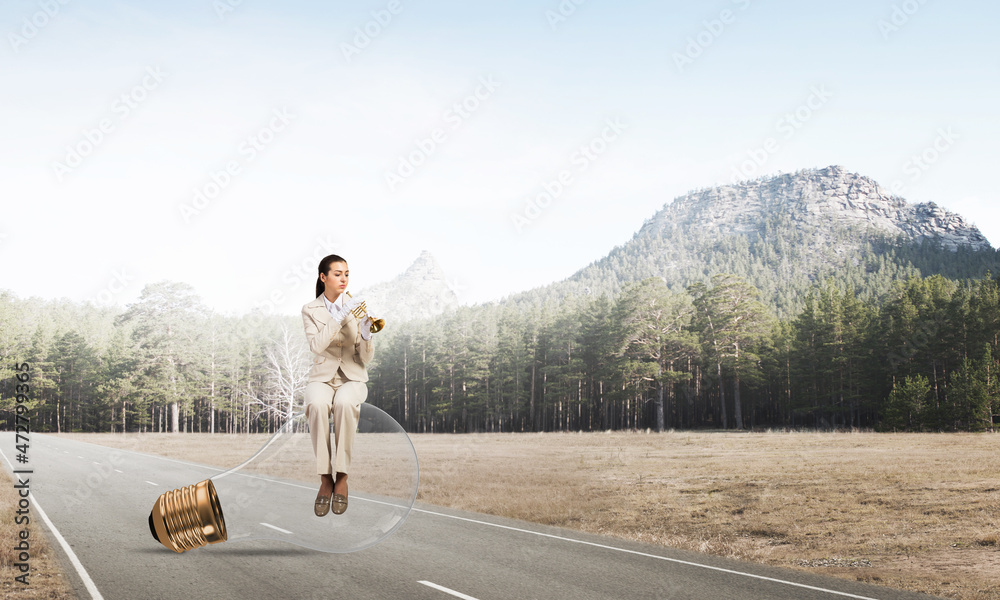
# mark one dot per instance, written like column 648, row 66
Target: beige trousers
column 343, row 398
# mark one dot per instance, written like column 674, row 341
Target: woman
column 342, row 347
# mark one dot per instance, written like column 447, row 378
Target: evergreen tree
column 730, row 321
column 167, row 329
column 116, row 383
column 653, row 329
column 906, row 407
column 968, row 401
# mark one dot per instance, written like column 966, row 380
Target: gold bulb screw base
column 188, row 517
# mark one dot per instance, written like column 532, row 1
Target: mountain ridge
column 784, row 233
column 832, row 192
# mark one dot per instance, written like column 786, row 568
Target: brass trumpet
column 361, row 311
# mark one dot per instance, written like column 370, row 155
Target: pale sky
column 230, row 144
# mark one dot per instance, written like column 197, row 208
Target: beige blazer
column 335, row 344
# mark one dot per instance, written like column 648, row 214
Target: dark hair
column 324, row 268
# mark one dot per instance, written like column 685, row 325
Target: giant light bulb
column 271, row 494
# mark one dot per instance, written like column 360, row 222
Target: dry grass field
column 909, row 511
column 45, row 578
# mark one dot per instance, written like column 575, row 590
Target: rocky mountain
column 817, row 200
column 421, row 291
column 784, row 234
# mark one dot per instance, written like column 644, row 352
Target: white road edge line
column 80, row 570
column 673, row 560
column 446, row 590
column 277, row 528
column 556, row 537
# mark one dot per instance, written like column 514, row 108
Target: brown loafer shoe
column 339, row 504
column 322, row 505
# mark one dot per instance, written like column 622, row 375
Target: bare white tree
column 287, row 375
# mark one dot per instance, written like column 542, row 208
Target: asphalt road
column 98, row 500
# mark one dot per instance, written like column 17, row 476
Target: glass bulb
column 271, row 494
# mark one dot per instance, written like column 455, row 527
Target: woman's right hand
column 350, row 304
column 343, row 310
